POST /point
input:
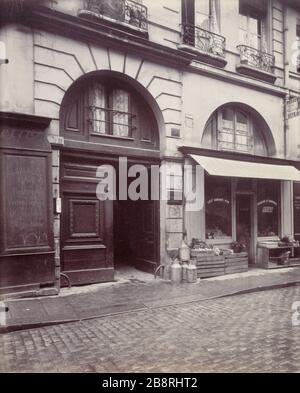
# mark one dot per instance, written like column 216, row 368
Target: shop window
column 268, row 207
column 218, row 212
column 109, row 111
column 297, row 210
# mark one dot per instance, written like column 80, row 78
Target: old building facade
column 207, row 82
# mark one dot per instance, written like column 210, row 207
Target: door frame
column 253, row 225
column 98, row 159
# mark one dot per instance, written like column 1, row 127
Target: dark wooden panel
column 27, row 270
column 25, row 202
column 26, row 224
column 87, row 258
column 86, row 227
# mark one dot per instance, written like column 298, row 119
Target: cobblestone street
column 246, row 333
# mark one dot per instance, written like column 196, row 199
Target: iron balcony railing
column 126, row 11
column 256, row 58
column 204, row 40
column 110, row 121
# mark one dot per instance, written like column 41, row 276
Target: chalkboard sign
column 297, row 210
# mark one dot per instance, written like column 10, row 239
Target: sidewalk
column 132, row 294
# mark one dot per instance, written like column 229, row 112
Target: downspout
column 286, row 78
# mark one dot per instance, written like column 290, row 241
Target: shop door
column 297, row 210
column 86, row 227
column 244, row 223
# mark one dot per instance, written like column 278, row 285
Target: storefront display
column 218, row 207
column 268, row 199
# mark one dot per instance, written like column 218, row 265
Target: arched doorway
column 104, row 118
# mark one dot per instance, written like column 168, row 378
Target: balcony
column 256, row 63
column 126, row 13
column 208, row 46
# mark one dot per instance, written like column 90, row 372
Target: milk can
column 167, row 272
column 176, row 272
column 191, row 273
column 184, row 252
column 184, row 271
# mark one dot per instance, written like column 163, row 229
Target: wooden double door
column 98, row 235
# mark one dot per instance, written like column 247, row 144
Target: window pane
column 227, row 114
column 121, row 117
column 241, row 118
column 218, row 207
column 268, row 207
column 202, row 13
column 97, row 111
column 226, row 133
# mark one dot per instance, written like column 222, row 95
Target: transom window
column 105, row 109
column 234, row 132
column 234, row 128
column 109, row 111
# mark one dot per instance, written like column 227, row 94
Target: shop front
column 247, row 201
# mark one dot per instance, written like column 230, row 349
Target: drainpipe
column 286, row 78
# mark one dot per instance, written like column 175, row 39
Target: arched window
column 108, row 110
column 234, row 129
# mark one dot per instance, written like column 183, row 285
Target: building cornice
column 24, row 120
column 78, row 28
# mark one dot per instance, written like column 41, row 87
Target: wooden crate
column 236, row 263
column 208, row 264
column 294, row 262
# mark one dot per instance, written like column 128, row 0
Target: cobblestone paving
column 248, row 333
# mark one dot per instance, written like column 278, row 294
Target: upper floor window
column 233, row 129
column 202, row 14
column 200, row 30
column 252, row 17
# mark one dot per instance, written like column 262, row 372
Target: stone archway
column 105, row 116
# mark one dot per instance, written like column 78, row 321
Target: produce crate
column 294, row 262
column 236, row 263
column 208, row 264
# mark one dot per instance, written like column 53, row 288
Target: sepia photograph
column 149, row 189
